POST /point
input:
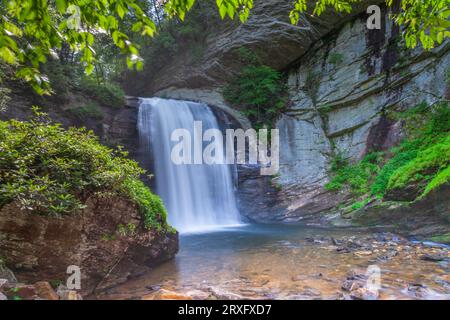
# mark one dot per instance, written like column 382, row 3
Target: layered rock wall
column 342, row 92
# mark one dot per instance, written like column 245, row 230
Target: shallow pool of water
column 295, row 262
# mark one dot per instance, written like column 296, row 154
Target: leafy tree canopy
column 33, row 29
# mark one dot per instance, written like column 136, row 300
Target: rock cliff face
column 341, row 92
column 268, row 31
column 42, row 248
column 343, row 81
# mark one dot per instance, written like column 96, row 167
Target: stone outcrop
column 424, row 218
column 268, row 31
column 41, row 290
column 98, row 239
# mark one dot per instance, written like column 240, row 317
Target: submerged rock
column 364, row 294
column 421, row 291
column 223, row 294
column 434, row 257
column 356, row 287
column 198, row 294
column 164, row 294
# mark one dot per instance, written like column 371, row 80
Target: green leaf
column 7, row 55
column 89, row 69
column 120, row 11
column 137, row 26
column 61, row 5
column 90, row 38
column 12, row 29
column 223, row 11
column 440, row 37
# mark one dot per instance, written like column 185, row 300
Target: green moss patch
column 420, row 164
column 88, row 111
column 443, row 238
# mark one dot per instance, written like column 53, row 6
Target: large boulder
column 107, row 240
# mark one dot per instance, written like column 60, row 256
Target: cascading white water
column 198, row 197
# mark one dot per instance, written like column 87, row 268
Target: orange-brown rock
column 40, row 248
column 45, row 291
column 163, row 294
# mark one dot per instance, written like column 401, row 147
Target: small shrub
column 247, row 56
column 360, row 204
column 425, row 155
column 425, row 122
column 55, row 283
column 440, row 179
column 401, row 157
column 357, row 177
column 107, row 94
column 61, row 77
column 443, row 238
column 336, row 59
column 50, row 170
column 164, row 41
column 150, row 205
column 324, row 109
column 259, row 92
column 422, row 169
column 127, row 230
column 88, row 111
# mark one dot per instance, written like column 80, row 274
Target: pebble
column 433, row 257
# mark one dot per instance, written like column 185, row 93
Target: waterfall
column 198, row 197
